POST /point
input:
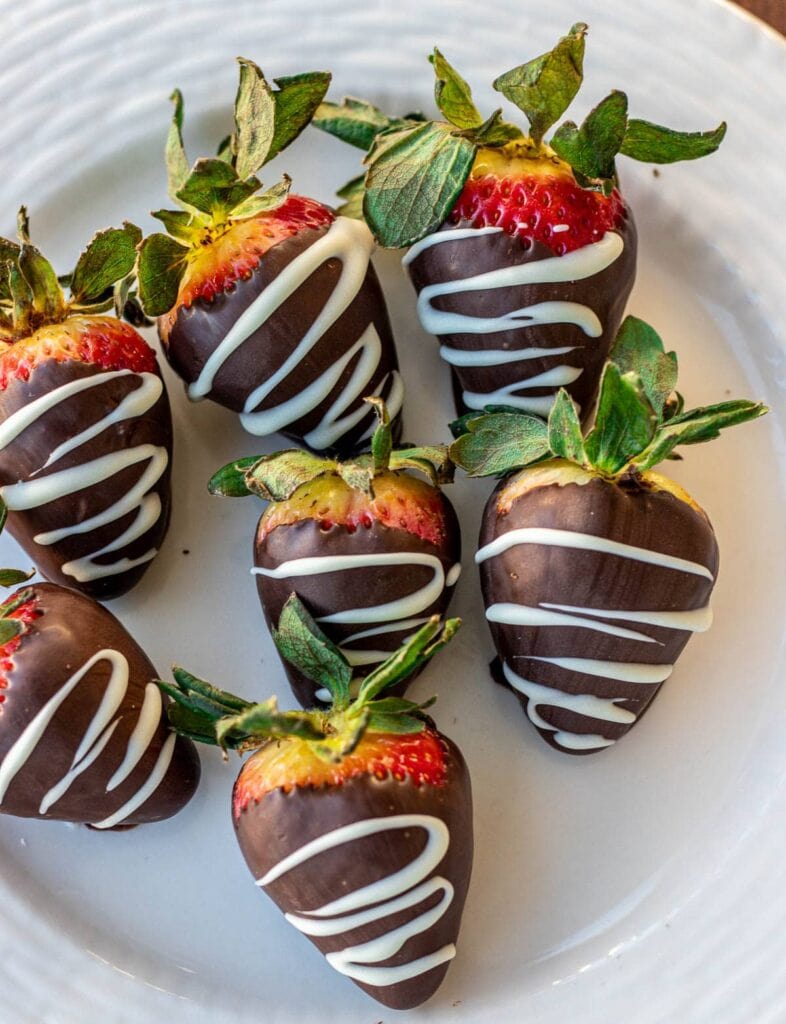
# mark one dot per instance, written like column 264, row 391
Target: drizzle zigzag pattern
column 96, row 737
column 351, row 242
column 404, row 889
column 575, row 266
column 31, row 493
column 548, row 614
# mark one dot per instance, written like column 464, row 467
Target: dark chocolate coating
column 283, row 822
column 199, row 329
column 24, row 457
column 70, row 630
column 606, row 294
column 534, row 574
column 331, row 592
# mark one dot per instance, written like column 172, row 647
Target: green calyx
column 11, row 628
column 11, row 578
column 207, row 715
column 220, row 190
column 416, row 168
column 32, row 295
column 276, row 477
column 639, row 420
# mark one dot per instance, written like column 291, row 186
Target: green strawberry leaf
column 302, row 643
column 497, row 443
column 590, row 150
column 353, row 193
column 639, row 349
column 354, row 121
column 255, row 113
column 415, row 175
column 9, row 629
column 264, row 719
column 625, row 422
column 175, row 155
column 412, row 654
column 564, row 430
column 180, row 224
column 496, row 132
column 695, row 427
column 296, row 99
column 9, row 253
column 655, row 144
column 358, row 474
column 399, row 723
column 398, row 705
column 109, row 257
column 276, row 477
column 219, row 700
column 45, row 294
column 544, row 87
column 453, row 96
column 432, row 460
column 13, row 577
column 188, row 722
column 214, row 188
column 21, row 298
column 160, row 268
column 230, row 480
column 224, row 150
column 461, row 425
column 268, row 200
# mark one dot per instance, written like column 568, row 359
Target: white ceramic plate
column 644, row 884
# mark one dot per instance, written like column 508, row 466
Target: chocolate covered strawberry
column 523, row 252
column 83, row 735
column 595, row 570
column 356, row 821
column 267, row 303
column 85, row 426
column 371, row 550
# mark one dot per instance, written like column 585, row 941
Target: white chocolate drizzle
column 40, row 490
column 548, row 614
column 403, row 613
column 402, row 890
column 96, row 737
column 351, row 242
column 574, row 266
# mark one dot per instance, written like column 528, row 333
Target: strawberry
column 372, row 551
column 356, row 821
column 85, row 426
column 595, row 569
column 523, row 252
column 268, row 303
column 83, row 735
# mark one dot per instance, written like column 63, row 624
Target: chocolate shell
column 590, row 606
column 85, row 463
column 317, row 285
column 83, row 735
column 373, row 849
column 413, row 571
column 524, row 309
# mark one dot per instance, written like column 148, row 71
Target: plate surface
column 647, row 883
